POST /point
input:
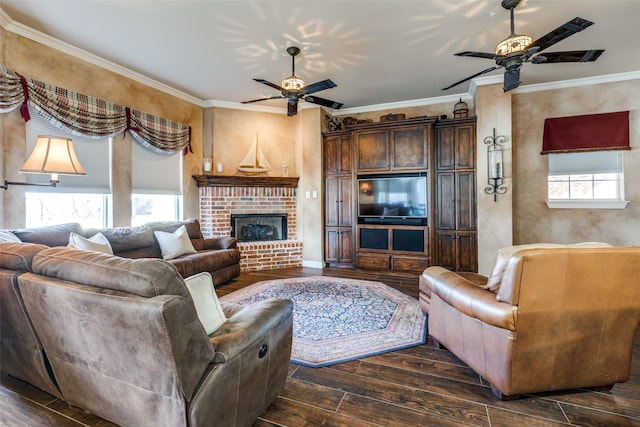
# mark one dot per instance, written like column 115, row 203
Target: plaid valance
column 88, row 116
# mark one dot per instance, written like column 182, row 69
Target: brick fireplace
column 220, row 197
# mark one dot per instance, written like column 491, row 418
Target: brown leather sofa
column 219, row 255
column 545, row 319
column 123, row 341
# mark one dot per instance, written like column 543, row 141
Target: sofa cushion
column 145, row 277
column 211, row 261
column 193, row 229
column 204, row 296
column 18, row 256
column 172, row 245
column 130, row 242
column 504, row 255
column 50, row 235
column 98, row 243
column 7, row 236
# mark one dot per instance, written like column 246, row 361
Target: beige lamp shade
column 54, row 155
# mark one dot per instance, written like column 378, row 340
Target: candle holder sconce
column 495, row 164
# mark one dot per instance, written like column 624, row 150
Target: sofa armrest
column 250, row 324
column 224, row 242
column 473, row 300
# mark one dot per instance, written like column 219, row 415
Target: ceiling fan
column 293, row 88
column 517, row 49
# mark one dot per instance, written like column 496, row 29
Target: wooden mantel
column 245, row 181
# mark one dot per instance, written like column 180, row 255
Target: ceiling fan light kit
column 293, row 89
column 517, row 49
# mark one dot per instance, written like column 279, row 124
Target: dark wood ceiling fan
column 294, row 89
column 517, row 49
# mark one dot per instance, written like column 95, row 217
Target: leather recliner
column 124, row 342
column 545, row 319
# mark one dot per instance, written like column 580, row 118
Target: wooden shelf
column 245, row 181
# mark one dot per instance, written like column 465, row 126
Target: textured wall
column 533, row 220
column 52, row 66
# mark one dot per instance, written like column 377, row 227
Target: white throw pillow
column 97, row 243
column 8, row 237
column 206, row 301
column 172, row 245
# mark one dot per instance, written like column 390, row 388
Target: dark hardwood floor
column 418, row 386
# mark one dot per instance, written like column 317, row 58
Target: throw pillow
column 206, row 301
column 97, row 243
column 8, row 237
column 172, row 245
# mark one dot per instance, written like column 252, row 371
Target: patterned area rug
column 336, row 320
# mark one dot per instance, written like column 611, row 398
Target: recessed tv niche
column 392, row 199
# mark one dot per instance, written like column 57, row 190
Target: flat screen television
column 392, row 199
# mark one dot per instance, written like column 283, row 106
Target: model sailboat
column 255, row 161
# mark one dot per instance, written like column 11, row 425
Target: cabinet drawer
column 408, row 264
column 373, row 261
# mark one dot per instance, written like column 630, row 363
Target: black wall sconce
column 495, row 164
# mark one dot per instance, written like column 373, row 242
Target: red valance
column 591, row 132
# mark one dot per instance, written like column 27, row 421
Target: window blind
column 585, row 163
column 94, row 156
column 153, row 173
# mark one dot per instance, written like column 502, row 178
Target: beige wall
column 49, row 65
column 494, row 217
column 533, row 220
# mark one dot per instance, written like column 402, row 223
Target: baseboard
column 313, row 264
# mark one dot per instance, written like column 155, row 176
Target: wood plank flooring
column 418, row 386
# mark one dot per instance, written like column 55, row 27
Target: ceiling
column 378, row 52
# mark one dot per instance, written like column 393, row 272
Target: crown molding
column 5, row 19
column 585, row 81
column 245, row 107
column 404, row 104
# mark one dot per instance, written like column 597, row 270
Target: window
column 82, row 199
column 156, row 181
column 592, row 180
column 154, row 207
column 90, row 210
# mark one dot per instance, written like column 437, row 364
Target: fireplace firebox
column 259, row 227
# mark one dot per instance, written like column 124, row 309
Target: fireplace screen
column 259, row 227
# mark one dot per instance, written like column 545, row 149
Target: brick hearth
column 218, row 203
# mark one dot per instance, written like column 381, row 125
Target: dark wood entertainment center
column 441, row 150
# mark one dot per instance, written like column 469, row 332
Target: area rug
column 336, row 320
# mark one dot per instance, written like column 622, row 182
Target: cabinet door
column 372, row 149
column 466, row 252
column 332, row 245
column 345, row 201
column 446, row 200
column 446, row 241
column 410, row 148
column 337, row 154
column 445, row 148
column 465, row 142
column 346, row 251
column 465, row 194
column 332, row 201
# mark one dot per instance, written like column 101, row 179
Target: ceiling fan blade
column 470, row 77
column 576, row 25
column 324, row 102
column 262, row 99
column 317, row 87
column 292, row 108
column 273, row 85
column 511, row 78
column 477, row 54
column 568, row 56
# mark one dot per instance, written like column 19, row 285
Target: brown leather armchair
column 545, row 319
